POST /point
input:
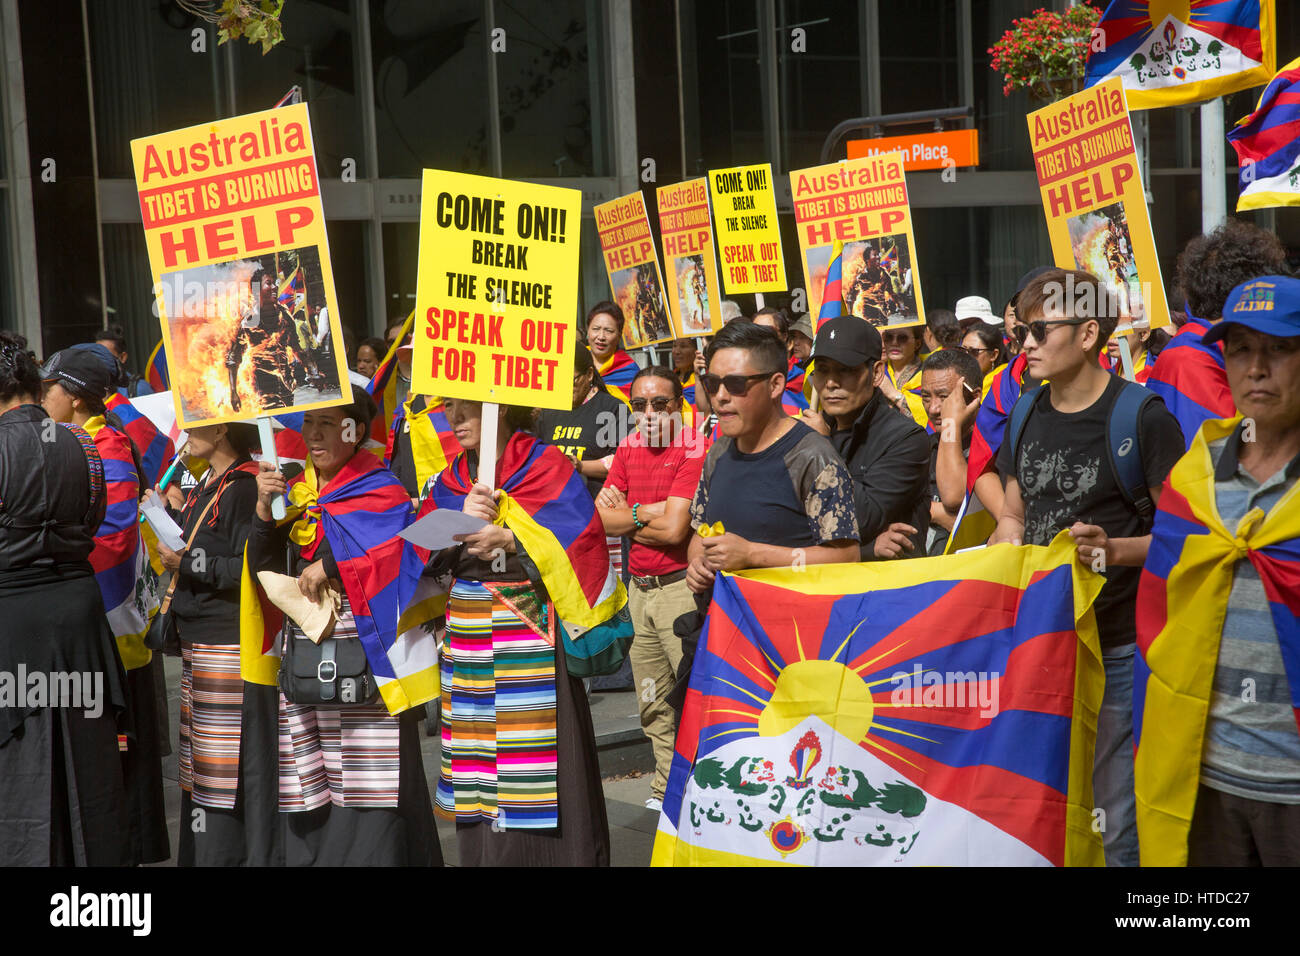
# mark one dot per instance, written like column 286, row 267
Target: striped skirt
column 349, row 757
column 498, row 714
column 212, row 697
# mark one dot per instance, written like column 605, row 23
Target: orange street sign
column 957, row 147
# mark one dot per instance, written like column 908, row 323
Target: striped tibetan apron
column 498, row 709
column 212, row 699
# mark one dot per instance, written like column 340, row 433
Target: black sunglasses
column 972, row 350
column 737, row 385
column 658, row 404
column 1039, row 328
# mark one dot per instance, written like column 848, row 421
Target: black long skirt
column 142, row 767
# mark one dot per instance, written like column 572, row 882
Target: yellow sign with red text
column 694, row 293
column 496, row 292
column 1091, row 185
column 748, row 236
column 861, row 203
column 628, row 248
column 240, row 259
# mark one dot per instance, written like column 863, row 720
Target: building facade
column 605, row 96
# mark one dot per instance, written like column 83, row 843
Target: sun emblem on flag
column 786, row 836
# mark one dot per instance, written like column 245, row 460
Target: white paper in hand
column 434, row 531
column 167, row 530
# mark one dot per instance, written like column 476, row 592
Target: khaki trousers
column 655, row 654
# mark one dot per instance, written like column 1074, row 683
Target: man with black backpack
column 1089, row 452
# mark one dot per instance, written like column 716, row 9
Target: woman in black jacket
column 228, row 738
column 63, row 800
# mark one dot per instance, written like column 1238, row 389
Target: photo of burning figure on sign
column 250, row 337
column 693, row 295
column 639, row 294
column 877, row 281
column 1101, row 245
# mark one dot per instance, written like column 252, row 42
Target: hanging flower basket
column 1046, row 53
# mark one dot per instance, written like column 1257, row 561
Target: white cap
column 976, row 307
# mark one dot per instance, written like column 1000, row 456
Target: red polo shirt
column 646, row 475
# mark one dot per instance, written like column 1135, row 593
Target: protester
column 684, row 352
column 903, row 370
column 76, row 382
column 948, row 373
column 394, row 331
column 1221, row 784
column 941, row 330
column 589, row 434
column 1144, row 345
column 520, row 775
column 647, row 497
column 973, row 310
column 370, row 353
column 731, row 311
column 604, row 337
column 1013, row 325
column 984, row 343
column 801, row 341
column 797, row 495
column 63, row 800
column 1189, row 375
column 1060, row 475
column 778, row 320
column 351, row 778
column 886, row 454
column 114, row 339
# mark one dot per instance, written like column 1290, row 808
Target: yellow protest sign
column 861, row 204
column 748, row 237
column 1091, row 185
column 496, row 292
column 241, row 265
column 633, row 266
column 687, row 234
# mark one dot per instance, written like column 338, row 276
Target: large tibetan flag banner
column 940, row 711
column 1268, row 145
column 1173, row 53
column 1182, row 601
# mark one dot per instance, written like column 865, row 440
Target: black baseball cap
column 849, row 340
column 80, row 372
column 1025, row 279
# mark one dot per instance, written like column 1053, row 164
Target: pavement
column 626, row 762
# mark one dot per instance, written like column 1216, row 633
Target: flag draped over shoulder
column 617, row 374
column 433, row 443
column 359, row 513
column 1000, row 395
column 118, row 558
column 1169, row 54
column 1182, row 602
column 156, row 449
column 1190, row 378
column 1268, row 145
column 938, row 711
column 547, row 506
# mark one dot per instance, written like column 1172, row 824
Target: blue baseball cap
column 1269, row 304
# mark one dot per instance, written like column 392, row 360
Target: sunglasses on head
column 658, row 404
column 736, row 384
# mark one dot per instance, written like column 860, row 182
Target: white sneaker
column 655, row 804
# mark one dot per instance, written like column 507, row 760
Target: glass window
column 430, row 86
column 821, row 85
column 147, row 76
column 918, row 56
column 348, row 261
column 128, row 288
column 401, row 256
column 8, row 307
column 1004, row 133
column 551, row 89
column 724, row 86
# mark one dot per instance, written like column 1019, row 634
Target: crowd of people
column 777, row 445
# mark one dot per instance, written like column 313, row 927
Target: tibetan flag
column 689, row 413
column 547, row 505
column 1190, row 378
column 383, row 387
column 914, row 403
column 1169, row 54
column 155, row 372
column 293, row 290
column 1001, row 391
column 1182, row 599
column 156, row 449
column 972, row 527
column 793, row 400
column 617, row 374
column 360, row 513
column 1268, row 145
column 433, row 443
column 119, row 560
column 833, row 289
column 939, row 712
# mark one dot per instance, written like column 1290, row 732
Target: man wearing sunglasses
column 778, row 488
column 887, row 454
column 1060, row 474
column 647, row 498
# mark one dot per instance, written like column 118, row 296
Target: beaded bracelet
column 635, row 520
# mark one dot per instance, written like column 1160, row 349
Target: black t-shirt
column 938, row 536
column 1065, row 475
column 592, row 430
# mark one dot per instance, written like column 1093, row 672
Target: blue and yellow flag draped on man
column 1182, row 602
column 935, row 711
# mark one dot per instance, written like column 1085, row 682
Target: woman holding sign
column 519, row 770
